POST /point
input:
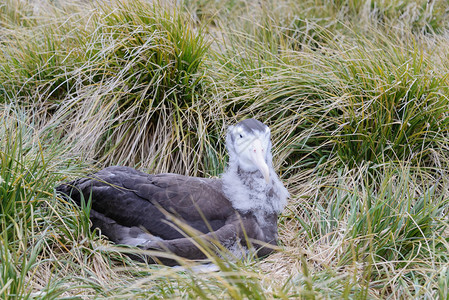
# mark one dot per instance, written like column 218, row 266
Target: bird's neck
column 249, row 192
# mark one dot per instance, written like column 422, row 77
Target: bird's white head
column 249, row 146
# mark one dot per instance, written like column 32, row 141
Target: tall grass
column 141, row 66
column 378, row 98
column 355, row 93
column 27, row 176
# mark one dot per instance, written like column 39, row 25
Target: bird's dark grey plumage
column 134, row 208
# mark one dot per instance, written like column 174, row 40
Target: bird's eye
column 241, row 136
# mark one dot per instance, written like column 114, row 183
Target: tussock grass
column 355, row 93
column 362, row 100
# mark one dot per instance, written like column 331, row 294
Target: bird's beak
column 257, row 155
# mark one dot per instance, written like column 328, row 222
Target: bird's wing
column 133, row 198
column 190, row 198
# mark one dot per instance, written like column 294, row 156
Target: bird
column 238, row 210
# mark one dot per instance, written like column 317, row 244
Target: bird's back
column 133, row 198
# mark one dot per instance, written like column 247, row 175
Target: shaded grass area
column 356, row 95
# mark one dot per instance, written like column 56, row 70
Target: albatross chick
column 239, row 209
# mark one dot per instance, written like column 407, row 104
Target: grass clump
column 376, row 237
column 357, row 99
column 142, row 67
column 106, row 69
column 396, row 109
column 40, row 48
column 27, row 176
column 146, row 62
column 151, row 49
